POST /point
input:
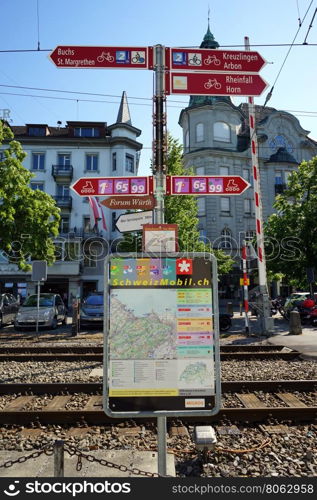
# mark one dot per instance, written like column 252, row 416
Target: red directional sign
column 75, row 56
column 215, row 84
column 214, row 60
column 107, row 186
column 206, row 184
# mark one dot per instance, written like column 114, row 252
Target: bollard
column 230, row 308
column 295, row 327
column 59, row 458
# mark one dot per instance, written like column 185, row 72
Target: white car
column 51, row 311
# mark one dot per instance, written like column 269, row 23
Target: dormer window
column 86, row 132
column 37, row 130
column 221, row 132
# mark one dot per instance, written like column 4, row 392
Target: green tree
column 181, row 210
column 29, row 219
column 291, row 232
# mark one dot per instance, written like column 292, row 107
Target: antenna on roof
column 59, row 123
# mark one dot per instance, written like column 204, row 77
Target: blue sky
column 171, row 23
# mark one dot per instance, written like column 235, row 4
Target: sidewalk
column 306, row 343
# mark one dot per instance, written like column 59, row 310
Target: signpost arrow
column 123, row 186
column 214, row 60
column 134, row 202
column 76, row 56
column 215, row 84
column 134, row 221
column 206, row 185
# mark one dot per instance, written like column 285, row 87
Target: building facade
column 216, row 140
column 58, row 156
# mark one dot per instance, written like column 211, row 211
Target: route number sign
column 206, row 185
column 107, row 186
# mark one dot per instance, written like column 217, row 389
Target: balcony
column 280, row 188
column 64, row 202
column 62, row 172
column 82, row 233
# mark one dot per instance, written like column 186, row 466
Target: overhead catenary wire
column 269, row 95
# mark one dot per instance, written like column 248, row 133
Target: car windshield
column 44, row 301
column 94, row 300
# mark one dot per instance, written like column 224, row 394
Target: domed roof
column 208, row 42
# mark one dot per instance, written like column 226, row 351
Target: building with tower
column 216, row 140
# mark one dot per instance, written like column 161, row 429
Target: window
column 64, row 225
column 221, row 132
column 86, row 132
column 250, row 235
column 225, row 238
column 37, row 131
column 63, row 159
column 199, row 132
column 113, row 221
column 2, row 156
column 247, row 206
column 278, row 177
column 129, row 163
column 224, row 205
column 114, row 161
column 63, row 190
column 91, row 162
column 38, row 160
column 37, row 185
column 224, row 171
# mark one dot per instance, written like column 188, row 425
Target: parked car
column 52, row 310
column 9, row 306
column 92, row 310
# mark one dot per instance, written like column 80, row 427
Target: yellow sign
column 244, row 281
column 142, row 392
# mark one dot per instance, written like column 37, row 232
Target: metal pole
column 161, row 446
column 158, row 123
column 245, row 287
column 158, row 163
column 59, row 458
column 267, row 321
column 38, row 307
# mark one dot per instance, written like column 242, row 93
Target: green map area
column 195, row 372
column 145, row 337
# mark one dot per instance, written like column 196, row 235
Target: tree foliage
column 291, row 232
column 181, row 210
column 29, row 219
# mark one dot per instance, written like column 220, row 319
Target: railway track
column 95, row 353
column 254, row 398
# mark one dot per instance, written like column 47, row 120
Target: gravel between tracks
column 80, row 371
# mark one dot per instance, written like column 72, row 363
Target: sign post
column 161, row 338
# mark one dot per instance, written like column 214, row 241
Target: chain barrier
column 48, row 450
column 72, row 450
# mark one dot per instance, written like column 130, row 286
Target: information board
column 161, row 341
column 206, row 185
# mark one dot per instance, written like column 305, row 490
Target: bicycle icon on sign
column 195, row 61
column 212, row 83
column 138, row 58
column 212, row 60
column 105, row 56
